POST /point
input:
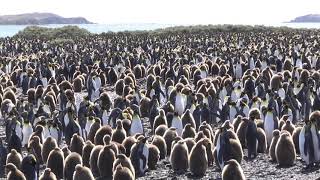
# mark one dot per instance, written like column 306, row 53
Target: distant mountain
column 313, row 18
column 40, row 19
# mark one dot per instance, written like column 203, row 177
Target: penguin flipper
column 308, row 140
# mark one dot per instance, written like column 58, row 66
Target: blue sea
column 10, row 30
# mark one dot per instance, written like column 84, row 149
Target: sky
column 169, row 11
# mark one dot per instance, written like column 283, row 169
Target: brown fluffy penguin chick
column 126, row 123
column 160, row 142
column 76, row 144
column 198, row 160
column 56, row 162
column 31, row 93
column 285, row 150
column 15, row 158
column 70, row 164
column 49, row 144
column 236, row 122
column 102, row 131
column 276, row 82
column 190, row 142
column 169, row 136
column 94, row 156
column 161, row 129
column 145, row 104
column 188, row 131
column 241, row 131
column 274, row 141
column 232, row 171
column 86, row 151
column 122, row 173
column 105, row 161
column 262, row 141
column 48, row 175
column 125, row 162
column 119, row 134
column 93, row 130
column 209, row 148
column 107, row 141
column 35, row 147
column 154, row 156
column 128, row 142
column 187, row 118
column 77, row 84
column 9, row 94
column 66, row 151
column 119, row 86
column 200, row 135
column 179, row 157
column 288, row 126
column 82, row 173
column 295, row 137
column 160, row 119
column 14, row 173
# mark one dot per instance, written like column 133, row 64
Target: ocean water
column 10, row 30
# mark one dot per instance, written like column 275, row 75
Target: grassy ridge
column 74, row 32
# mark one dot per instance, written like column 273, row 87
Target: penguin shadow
column 189, row 175
column 310, row 169
column 103, row 178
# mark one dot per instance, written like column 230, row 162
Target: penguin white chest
column 54, row 133
column 46, row 109
column 78, row 99
column 46, row 132
column 66, row 120
column 136, row 126
column 145, row 153
column 304, row 155
column 44, row 82
column 203, row 74
column 269, row 126
column 232, row 113
column 179, row 104
column 192, row 108
column 105, row 117
column 26, row 131
column 238, row 71
column 19, row 131
column 177, row 123
column 88, row 126
column 316, row 142
column 218, row 147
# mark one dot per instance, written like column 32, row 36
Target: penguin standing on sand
column 3, row 158
column 270, row 124
column 306, row 144
column 26, row 132
column 177, row 123
column 313, row 126
column 232, row 170
column 139, row 156
column 28, row 167
column 178, row 99
column 136, row 124
column 251, row 138
column 14, row 173
column 15, row 142
column 91, row 87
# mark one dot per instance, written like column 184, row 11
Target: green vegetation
column 70, row 33
column 54, row 34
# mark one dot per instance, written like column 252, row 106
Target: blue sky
column 169, row 11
